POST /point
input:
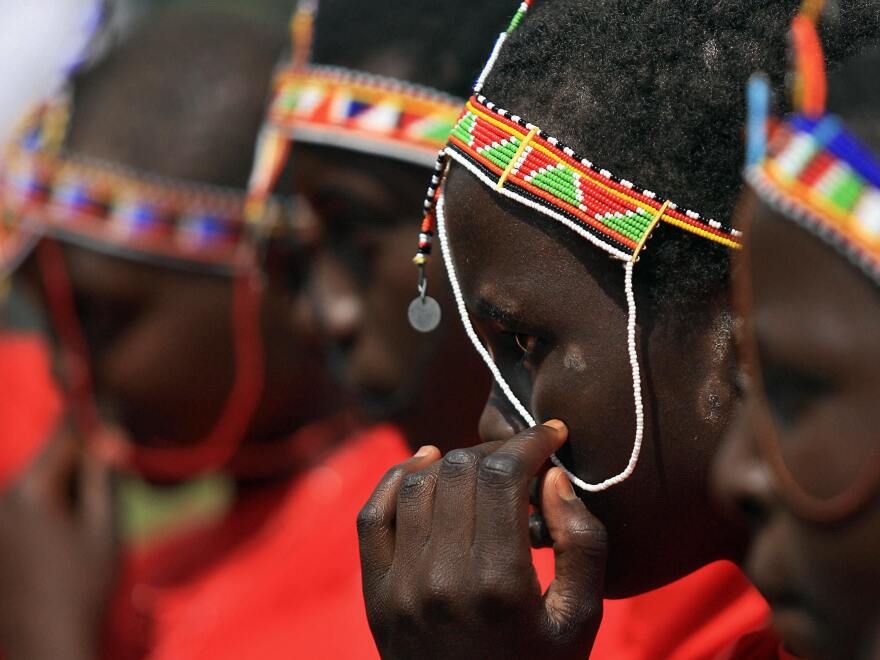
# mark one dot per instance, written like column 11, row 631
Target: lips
column 796, row 626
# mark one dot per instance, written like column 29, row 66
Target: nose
column 337, row 299
column 742, row 481
column 498, row 420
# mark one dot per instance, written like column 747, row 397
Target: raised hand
column 446, row 562
column 58, row 555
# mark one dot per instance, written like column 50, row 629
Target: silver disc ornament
column 424, row 314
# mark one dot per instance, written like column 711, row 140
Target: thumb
column 97, row 499
column 573, row 603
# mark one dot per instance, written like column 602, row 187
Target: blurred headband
column 111, row 208
column 353, row 110
column 812, row 169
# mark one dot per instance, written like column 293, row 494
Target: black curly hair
column 654, row 90
column 438, row 44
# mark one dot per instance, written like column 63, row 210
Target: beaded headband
column 813, row 171
column 114, row 208
column 524, row 163
column 362, row 112
column 820, row 176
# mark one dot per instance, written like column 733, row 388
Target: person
column 801, row 463
column 360, row 172
column 527, row 222
column 134, row 193
column 369, row 111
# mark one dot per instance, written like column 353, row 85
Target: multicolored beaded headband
column 361, row 112
column 116, row 209
column 353, row 110
column 816, row 174
column 522, row 162
column 813, row 170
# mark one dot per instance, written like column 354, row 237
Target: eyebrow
column 483, row 309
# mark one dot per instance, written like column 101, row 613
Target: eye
column 526, row 343
column 790, row 393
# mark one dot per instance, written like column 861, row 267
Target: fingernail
column 564, row 488
column 555, row 424
column 424, row 451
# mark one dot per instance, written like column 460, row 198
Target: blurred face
column 812, row 351
column 362, row 281
column 162, row 352
column 550, row 307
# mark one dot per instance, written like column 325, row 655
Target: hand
column 57, row 555
column 447, row 569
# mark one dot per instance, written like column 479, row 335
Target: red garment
column 30, row 402
column 704, row 615
column 279, row 577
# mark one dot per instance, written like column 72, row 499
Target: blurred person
column 801, row 462
column 133, row 190
column 653, row 92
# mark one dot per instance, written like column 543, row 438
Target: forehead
column 501, row 247
column 804, row 291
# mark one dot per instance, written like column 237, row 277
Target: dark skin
column 57, row 515
column 814, row 321
column 520, row 279
column 161, row 353
column 362, row 281
column 139, row 319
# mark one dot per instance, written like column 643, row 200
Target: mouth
column 794, row 621
column 796, row 627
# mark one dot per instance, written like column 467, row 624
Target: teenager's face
column 550, row 307
column 814, row 321
column 162, row 350
column 362, row 281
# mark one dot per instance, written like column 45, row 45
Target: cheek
column 592, row 393
column 172, row 355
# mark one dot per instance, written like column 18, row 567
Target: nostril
column 752, row 509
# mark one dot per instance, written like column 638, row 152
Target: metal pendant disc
column 424, row 314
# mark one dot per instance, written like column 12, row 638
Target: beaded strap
column 823, row 178
column 362, row 112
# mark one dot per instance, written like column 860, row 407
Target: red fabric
column 30, row 402
column 279, row 577
column 705, row 615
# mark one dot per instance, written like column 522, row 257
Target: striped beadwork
column 362, row 112
column 123, row 210
column 821, row 176
column 519, row 157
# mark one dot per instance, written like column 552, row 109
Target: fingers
column 574, row 600
column 502, row 502
column 455, row 498
column 47, row 481
column 376, row 520
column 415, row 505
column 97, row 499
